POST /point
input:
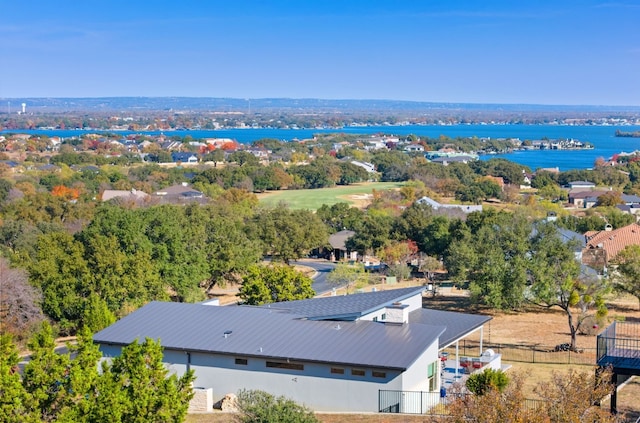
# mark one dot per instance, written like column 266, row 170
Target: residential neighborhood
column 190, row 220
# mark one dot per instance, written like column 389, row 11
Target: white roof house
column 332, row 354
column 436, row 205
column 581, row 184
column 125, row 195
column 369, row 167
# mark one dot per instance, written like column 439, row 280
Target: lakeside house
column 365, row 352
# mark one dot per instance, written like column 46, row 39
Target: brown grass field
column 542, row 329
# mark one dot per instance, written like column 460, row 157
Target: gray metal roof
column 566, row 236
column 268, row 333
column 457, row 324
column 338, row 240
column 345, row 307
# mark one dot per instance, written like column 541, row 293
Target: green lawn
column 312, row 199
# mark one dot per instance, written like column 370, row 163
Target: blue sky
column 513, row 51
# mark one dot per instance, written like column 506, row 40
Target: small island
column 635, row 134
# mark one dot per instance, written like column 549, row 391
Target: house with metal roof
column 437, row 206
column 333, row 354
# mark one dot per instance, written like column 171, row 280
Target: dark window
column 337, row 371
column 241, row 361
column 378, row 374
column 280, row 365
column 357, row 372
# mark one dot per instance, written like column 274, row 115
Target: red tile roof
column 613, row 241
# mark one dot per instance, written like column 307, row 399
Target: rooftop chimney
column 397, row 314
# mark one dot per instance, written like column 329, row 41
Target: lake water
column 602, row 137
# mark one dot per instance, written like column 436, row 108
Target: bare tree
column 570, row 396
column 19, row 301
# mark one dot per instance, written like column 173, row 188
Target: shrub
column 480, row 383
column 259, row 406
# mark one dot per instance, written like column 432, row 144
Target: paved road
column 322, row 268
column 63, row 349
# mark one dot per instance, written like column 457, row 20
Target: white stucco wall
column 415, row 378
column 315, row 386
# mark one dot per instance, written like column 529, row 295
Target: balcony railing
column 429, row 403
column 619, row 346
column 409, row 402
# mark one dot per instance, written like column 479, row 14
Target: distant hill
column 288, row 105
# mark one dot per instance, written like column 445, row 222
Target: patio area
column 458, row 370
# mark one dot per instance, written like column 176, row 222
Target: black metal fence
column 526, row 354
column 428, row 403
column 413, row 402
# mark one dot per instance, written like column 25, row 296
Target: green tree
column 260, row 407
column 497, row 276
column 120, row 278
column 230, row 250
column 289, row 234
column 626, row 274
column 77, row 386
column 482, row 382
column 97, row 314
column 556, row 280
column 145, row 390
column 351, row 174
column 510, row 171
column 243, row 158
column 5, row 187
column 412, row 223
column 609, row 199
column 374, row 233
column 275, row 283
column 470, row 193
column 70, row 387
column 391, row 164
column 553, row 192
column 428, row 265
column 61, row 271
column 348, row 275
column 177, row 236
column 340, row 216
column 16, row 404
column 318, row 174
column 44, row 375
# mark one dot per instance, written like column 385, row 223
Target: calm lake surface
column 602, row 137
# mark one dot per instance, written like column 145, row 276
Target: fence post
column 533, row 354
